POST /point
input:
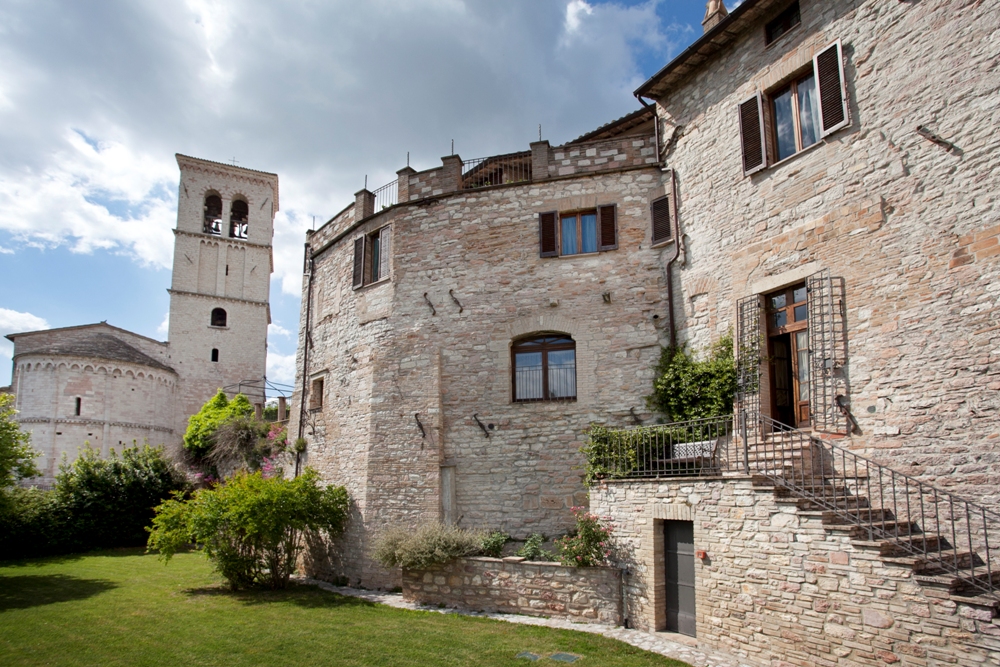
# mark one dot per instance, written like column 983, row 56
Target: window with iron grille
column 371, row 257
column 578, row 232
column 544, row 368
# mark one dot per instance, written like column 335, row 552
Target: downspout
column 675, row 253
column 306, row 344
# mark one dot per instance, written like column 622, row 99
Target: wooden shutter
column 384, row 239
column 827, row 352
column 662, row 227
column 607, row 217
column 359, row 261
column 548, row 245
column 751, row 114
column 833, row 110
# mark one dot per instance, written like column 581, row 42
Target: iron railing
column 483, row 172
column 386, row 195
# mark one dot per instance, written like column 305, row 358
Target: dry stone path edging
column 644, row 640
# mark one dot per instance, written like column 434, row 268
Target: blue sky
column 95, row 99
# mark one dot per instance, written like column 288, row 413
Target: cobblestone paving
column 655, row 643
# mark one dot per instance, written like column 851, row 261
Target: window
column 79, row 404
column 215, row 354
column 213, row 215
column 782, row 23
column 577, row 232
column 316, row 394
column 239, row 217
column 544, row 368
column 799, row 113
column 218, row 317
column 371, row 257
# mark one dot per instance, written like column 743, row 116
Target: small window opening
column 783, row 23
column 79, row 404
column 227, row 269
column 218, row 317
column 213, row 215
column 316, row 394
column 215, row 354
column 239, row 219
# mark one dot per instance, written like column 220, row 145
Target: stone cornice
column 30, row 358
column 220, row 239
column 266, row 178
column 93, row 422
column 216, row 297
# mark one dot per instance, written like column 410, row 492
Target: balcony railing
column 386, row 196
column 483, row 172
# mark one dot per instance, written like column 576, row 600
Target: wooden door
column 788, row 342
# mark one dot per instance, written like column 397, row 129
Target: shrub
column 32, row 523
column 532, row 548
column 251, row 527
column 239, row 443
column 200, row 434
column 493, row 542
column 17, row 458
column 430, row 544
column 590, row 545
column 686, row 388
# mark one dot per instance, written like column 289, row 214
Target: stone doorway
column 680, row 576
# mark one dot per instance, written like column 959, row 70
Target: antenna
column 314, row 223
column 407, row 158
column 539, row 131
column 452, row 146
column 366, row 181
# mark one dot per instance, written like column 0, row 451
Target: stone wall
column 584, row 594
column 777, row 588
column 600, row 155
column 907, row 223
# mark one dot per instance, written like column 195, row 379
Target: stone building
column 820, row 179
column 110, row 387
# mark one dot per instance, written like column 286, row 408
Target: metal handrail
column 386, row 195
column 482, row 172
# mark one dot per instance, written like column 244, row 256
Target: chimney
column 714, row 14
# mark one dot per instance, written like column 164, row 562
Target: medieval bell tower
column 219, row 308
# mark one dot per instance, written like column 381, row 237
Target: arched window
column 215, row 354
column 544, row 367
column 213, row 215
column 218, row 317
column 239, row 219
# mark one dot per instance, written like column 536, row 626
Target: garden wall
column 585, row 594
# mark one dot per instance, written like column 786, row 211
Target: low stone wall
column 585, row 594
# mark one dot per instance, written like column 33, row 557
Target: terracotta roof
column 706, row 46
column 100, row 346
column 616, row 127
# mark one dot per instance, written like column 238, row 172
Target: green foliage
column 17, row 458
column 251, row 527
column 96, row 503
column 590, row 545
column 686, row 388
column 493, row 542
column 200, row 434
column 532, row 548
column 430, row 544
column 270, row 412
column 610, row 453
column 241, row 442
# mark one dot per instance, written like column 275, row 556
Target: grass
column 125, row 608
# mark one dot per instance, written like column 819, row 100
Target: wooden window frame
column 604, row 214
column 368, row 271
column 544, row 348
column 792, row 326
column 770, row 116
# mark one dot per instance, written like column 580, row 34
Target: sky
column 96, row 98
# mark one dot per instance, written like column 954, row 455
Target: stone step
column 913, row 545
column 807, row 490
column 947, row 562
column 868, row 515
column 890, row 528
column 849, row 503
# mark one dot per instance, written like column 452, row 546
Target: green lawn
column 125, row 608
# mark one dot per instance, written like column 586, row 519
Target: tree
column 17, row 458
column 200, row 435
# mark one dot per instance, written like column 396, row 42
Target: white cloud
column 574, row 11
column 164, row 327
column 12, row 321
column 280, row 367
column 276, row 329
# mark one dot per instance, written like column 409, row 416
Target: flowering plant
column 590, row 545
column 277, row 436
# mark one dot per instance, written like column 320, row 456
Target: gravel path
column 654, row 642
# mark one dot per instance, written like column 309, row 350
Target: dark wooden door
column 679, row 551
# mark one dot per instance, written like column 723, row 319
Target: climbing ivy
column 688, row 388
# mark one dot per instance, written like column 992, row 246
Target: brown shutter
column 359, row 261
column 662, row 229
column 547, row 241
column 607, row 216
column 833, row 112
column 751, row 114
column 383, row 248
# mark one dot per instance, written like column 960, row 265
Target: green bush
column 493, row 542
column 17, row 458
column 200, row 434
column 532, row 548
column 251, row 527
column 686, row 388
column 590, row 545
column 430, row 544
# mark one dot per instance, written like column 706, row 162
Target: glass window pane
column 778, row 301
column 562, row 374
column 784, row 124
column 808, row 110
column 569, row 236
column 528, row 375
column 801, row 313
column 799, row 295
column 588, row 230
column 802, row 343
column 780, row 318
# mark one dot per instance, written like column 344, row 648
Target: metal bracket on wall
column 423, row 433
column 454, row 298
column 433, row 309
column 943, row 143
column 481, row 425
column 635, row 417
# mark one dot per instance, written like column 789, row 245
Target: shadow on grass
column 301, row 595
column 30, row 590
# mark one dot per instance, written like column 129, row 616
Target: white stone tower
column 219, row 308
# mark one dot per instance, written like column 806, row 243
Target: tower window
column 213, row 215
column 218, row 317
column 215, row 354
column 239, row 219
column 316, row 394
column 79, row 404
